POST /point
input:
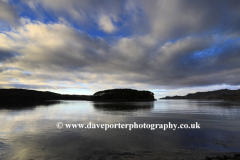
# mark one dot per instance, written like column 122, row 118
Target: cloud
column 163, row 20
column 176, row 19
column 105, row 24
column 60, row 53
column 6, row 55
column 172, row 45
column 83, row 13
column 8, row 13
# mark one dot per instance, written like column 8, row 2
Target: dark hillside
column 223, row 94
column 123, row 95
column 11, row 97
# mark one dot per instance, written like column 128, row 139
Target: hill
column 19, row 98
column 24, row 96
column 123, row 95
column 223, row 94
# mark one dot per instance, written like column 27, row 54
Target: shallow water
column 31, row 133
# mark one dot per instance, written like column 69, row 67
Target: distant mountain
column 223, row 94
column 123, row 95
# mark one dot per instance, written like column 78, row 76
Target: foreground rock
column 123, row 95
column 223, row 94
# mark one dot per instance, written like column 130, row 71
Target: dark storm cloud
column 6, row 55
column 177, row 19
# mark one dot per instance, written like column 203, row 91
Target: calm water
column 31, row 133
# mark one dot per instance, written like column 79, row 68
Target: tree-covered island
column 123, row 95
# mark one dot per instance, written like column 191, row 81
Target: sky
column 170, row 47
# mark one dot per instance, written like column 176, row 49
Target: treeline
column 23, row 97
column 27, row 96
column 123, row 95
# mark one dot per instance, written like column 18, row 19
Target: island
column 12, row 98
column 123, row 95
column 223, row 94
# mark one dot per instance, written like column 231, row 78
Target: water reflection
column 12, row 105
column 124, row 106
column 31, row 133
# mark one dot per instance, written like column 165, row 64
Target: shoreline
column 155, row 155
